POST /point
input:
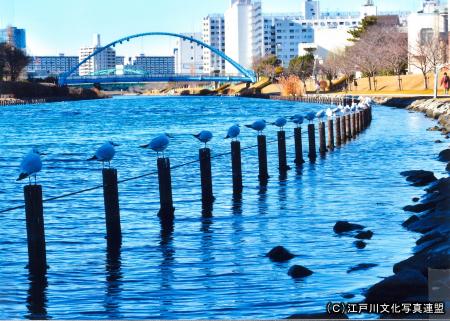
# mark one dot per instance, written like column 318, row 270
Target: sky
column 63, row 26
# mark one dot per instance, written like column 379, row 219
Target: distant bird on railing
column 105, row 153
column 233, row 132
column 320, row 115
column 298, row 119
column 258, row 125
column 204, row 136
column 31, row 165
column 159, row 144
column 280, row 123
column 347, row 110
column 310, row 116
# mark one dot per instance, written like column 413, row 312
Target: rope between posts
column 131, row 179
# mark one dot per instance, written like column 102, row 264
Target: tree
column 427, row 54
column 331, row 67
column 364, row 25
column 302, row 67
column 15, row 61
column 395, row 58
column 267, row 66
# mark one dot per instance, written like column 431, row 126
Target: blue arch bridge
column 69, row 78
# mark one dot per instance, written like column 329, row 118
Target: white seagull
column 329, row 113
column 320, row 115
column 31, row 165
column 204, row 136
column 105, row 153
column 310, row 116
column 280, row 122
column 298, row 119
column 258, row 125
column 159, row 144
column 233, row 132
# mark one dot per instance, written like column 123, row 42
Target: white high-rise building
column 102, row 61
column 282, row 36
column 214, row 35
column 310, row 9
column 188, row 55
column 426, row 24
column 369, row 9
column 244, row 33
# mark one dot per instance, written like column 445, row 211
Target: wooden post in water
column 112, row 209
column 34, row 211
column 299, row 161
column 361, row 121
column 343, row 130
column 348, row 128
column 338, row 131
column 322, row 138
column 282, row 159
column 166, row 211
column 312, row 142
column 330, row 134
column 262, row 158
column 353, row 122
column 206, row 176
column 357, row 122
column 236, row 165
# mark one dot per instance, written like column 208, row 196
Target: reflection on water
column 37, row 298
column 114, row 282
column 166, row 268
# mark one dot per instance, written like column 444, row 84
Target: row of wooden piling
column 319, row 99
column 15, row 101
column 340, row 131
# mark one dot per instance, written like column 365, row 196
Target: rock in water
column 415, row 199
column 444, row 156
column 405, row 284
column 344, row 226
column 362, row 266
column 280, row 254
column 410, row 221
column 448, row 167
column 420, row 177
column 365, row 235
column 298, row 271
column 360, row 244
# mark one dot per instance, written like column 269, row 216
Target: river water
column 208, row 267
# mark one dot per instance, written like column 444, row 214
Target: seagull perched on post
column 280, row 123
column 329, row 113
column 31, row 165
column 233, row 132
column 298, row 119
column 105, row 153
column 159, row 144
column 310, row 116
column 258, row 125
column 320, row 115
column 204, row 136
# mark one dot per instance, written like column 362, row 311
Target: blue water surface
column 208, row 268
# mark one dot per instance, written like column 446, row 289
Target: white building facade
column 188, row 55
column 244, row 33
column 102, row 61
column 426, row 24
column 213, row 35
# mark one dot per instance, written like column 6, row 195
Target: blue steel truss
column 248, row 75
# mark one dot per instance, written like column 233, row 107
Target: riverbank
column 424, row 277
column 21, row 93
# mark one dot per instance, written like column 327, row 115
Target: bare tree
column 395, row 58
column 427, row 54
column 331, row 67
column 368, row 52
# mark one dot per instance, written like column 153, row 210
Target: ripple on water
column 207, row 267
